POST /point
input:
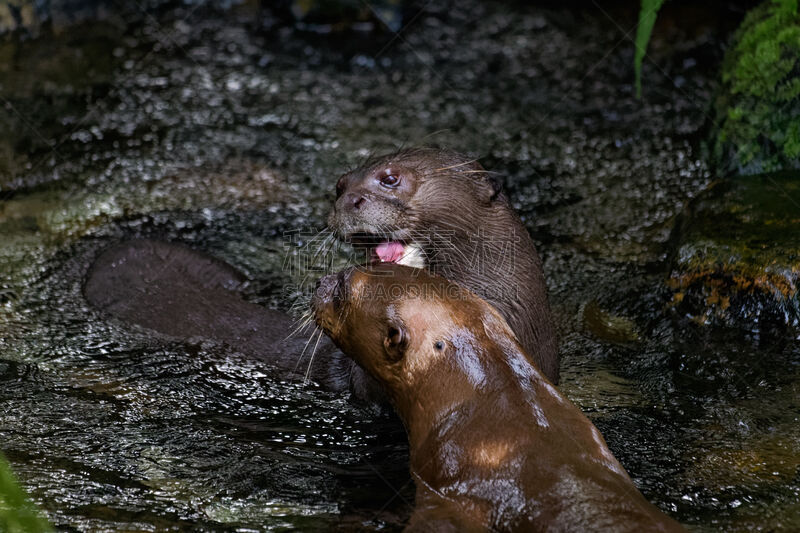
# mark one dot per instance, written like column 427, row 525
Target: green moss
column 17, row 514
column 758, row 103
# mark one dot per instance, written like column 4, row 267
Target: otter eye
column 390, row 180
column 439, row 345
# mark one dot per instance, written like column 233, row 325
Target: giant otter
column 424, row 206
column 493, row 444
column 438, row 209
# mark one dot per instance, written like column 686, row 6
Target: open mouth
column 385, row 249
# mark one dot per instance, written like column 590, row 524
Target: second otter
column 441, row 210
column 493, row 445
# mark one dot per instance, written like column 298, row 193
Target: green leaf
column 647, row 19
column 17, row 513
column 788, row 5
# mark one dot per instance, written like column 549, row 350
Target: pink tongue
column 389, row 252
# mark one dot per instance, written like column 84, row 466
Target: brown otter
column 493, row 444
column 433, row 208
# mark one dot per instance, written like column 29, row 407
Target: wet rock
column 326, row 16
column 46, row 86
column 738, row 262
column 243, row 184
column 757, row 107
column 607, row 326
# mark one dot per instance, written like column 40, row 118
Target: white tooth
column 412, row 256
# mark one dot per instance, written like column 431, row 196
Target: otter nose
column 353, row 200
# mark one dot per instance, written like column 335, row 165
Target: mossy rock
column 738, row 259
column 757, row 107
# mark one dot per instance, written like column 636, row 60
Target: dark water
column 224, row 130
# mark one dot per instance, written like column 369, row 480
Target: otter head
column 399, row 206
column 440, row 210
column 409, row 329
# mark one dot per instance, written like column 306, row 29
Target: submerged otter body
column 498, row 447
column 438, row 209
column 185, row 294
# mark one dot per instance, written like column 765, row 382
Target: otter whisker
column 295, row 328
column 462, row 164
column 313, row 353
column 320, row 252
column 301, row 323
column 432, row 134
column 340, row 319
column 300, row 305
column 300, row 357
column 474, row 171
column 323, row 245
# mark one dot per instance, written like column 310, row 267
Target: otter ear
column 490, row 185
column 396, row 341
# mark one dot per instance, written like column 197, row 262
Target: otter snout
column 329, row 296
column 351, row 211
column 351, row 201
